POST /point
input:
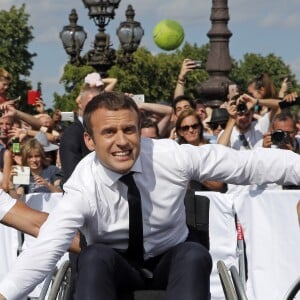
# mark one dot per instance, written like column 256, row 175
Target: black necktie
column 244, row 141
column 135, row 243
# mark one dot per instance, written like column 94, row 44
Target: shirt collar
column 109, row 177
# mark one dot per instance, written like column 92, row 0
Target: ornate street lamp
column 102, row 57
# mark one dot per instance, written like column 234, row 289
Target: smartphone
column 138, row 98
column 198, row 64
column 32, row 96
column 67, row 116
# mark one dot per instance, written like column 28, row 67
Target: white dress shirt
column 6, row 203
column 94, row 201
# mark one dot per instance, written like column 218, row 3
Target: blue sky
column 262, row 27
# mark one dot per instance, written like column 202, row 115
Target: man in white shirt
column 96, row 201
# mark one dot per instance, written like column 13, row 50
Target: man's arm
column 164, row 111
column 28, row 220
column 187, row 66
column 9, row 110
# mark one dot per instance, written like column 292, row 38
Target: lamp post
column 102, row 57
column 218, row 64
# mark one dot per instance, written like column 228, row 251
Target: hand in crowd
column 39, row 106
column 21, row 133
column 267, row 140
column 8, row 108
column 231, row 108
column 291, row 97
column 173, row 134
column 39, row 180
column 187, row 66
column 285, row 85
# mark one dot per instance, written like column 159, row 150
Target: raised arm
column 9, row 110
column 109, row 84
column 187, row 66
column 164, row 111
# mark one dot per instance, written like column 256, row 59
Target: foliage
column 15, row 36
column 255, row 64
column 72, row 80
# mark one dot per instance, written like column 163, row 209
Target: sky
column 261, row 27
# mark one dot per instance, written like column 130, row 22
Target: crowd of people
column 165, row 150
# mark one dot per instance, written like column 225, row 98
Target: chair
column 197, row 211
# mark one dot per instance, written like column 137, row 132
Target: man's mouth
column 122, row 153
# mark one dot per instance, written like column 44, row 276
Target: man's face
column 116, row 138
column 84, row 100
column 181, row 106
column 5, row 126
column 201, row 111
column 243, row 121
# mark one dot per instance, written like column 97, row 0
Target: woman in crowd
column 189, row 130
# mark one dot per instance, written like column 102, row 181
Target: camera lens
column 241, row 108
column 278, row 137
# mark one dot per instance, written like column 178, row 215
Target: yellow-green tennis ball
column 168, row 34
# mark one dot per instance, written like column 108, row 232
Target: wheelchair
column 234, row 288
column 57, row 284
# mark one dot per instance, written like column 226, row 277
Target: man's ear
column 89, row 141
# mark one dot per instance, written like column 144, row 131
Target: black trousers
column 183, row 271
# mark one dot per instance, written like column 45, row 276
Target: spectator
column 241, row 132
column 160, row 113
column 149, row 129
column 218, row 120
column 5, row 78
column 282, row 135
column 72, row 146
column 189, row 130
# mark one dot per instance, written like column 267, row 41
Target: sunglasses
column 215, row 126
column 187, row 127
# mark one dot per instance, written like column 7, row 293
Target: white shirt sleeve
column 6, row 203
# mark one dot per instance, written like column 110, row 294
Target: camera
column 280, row 137
column 241, row 107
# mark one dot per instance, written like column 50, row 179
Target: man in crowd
column 127, row 197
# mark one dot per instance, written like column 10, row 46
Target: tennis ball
column 168, row 34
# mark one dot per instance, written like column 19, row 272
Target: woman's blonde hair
column 5, row 75
column 28, row 146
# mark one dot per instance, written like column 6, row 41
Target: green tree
column 15, row 36
column 252, row 65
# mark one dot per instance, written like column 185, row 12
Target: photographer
column 241, row 131
column 283, row 133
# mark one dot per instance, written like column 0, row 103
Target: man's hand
column 2, row 297
column 267, row 141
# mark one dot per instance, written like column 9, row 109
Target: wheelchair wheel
column 47, row 284
column 238, row 285
column 227, row 284
column 61, row 284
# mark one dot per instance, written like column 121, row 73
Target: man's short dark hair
column 183, row 98
column 284, row 116
column 111, row 101
column 149, row 123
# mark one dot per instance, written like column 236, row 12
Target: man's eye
column 129, row 130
